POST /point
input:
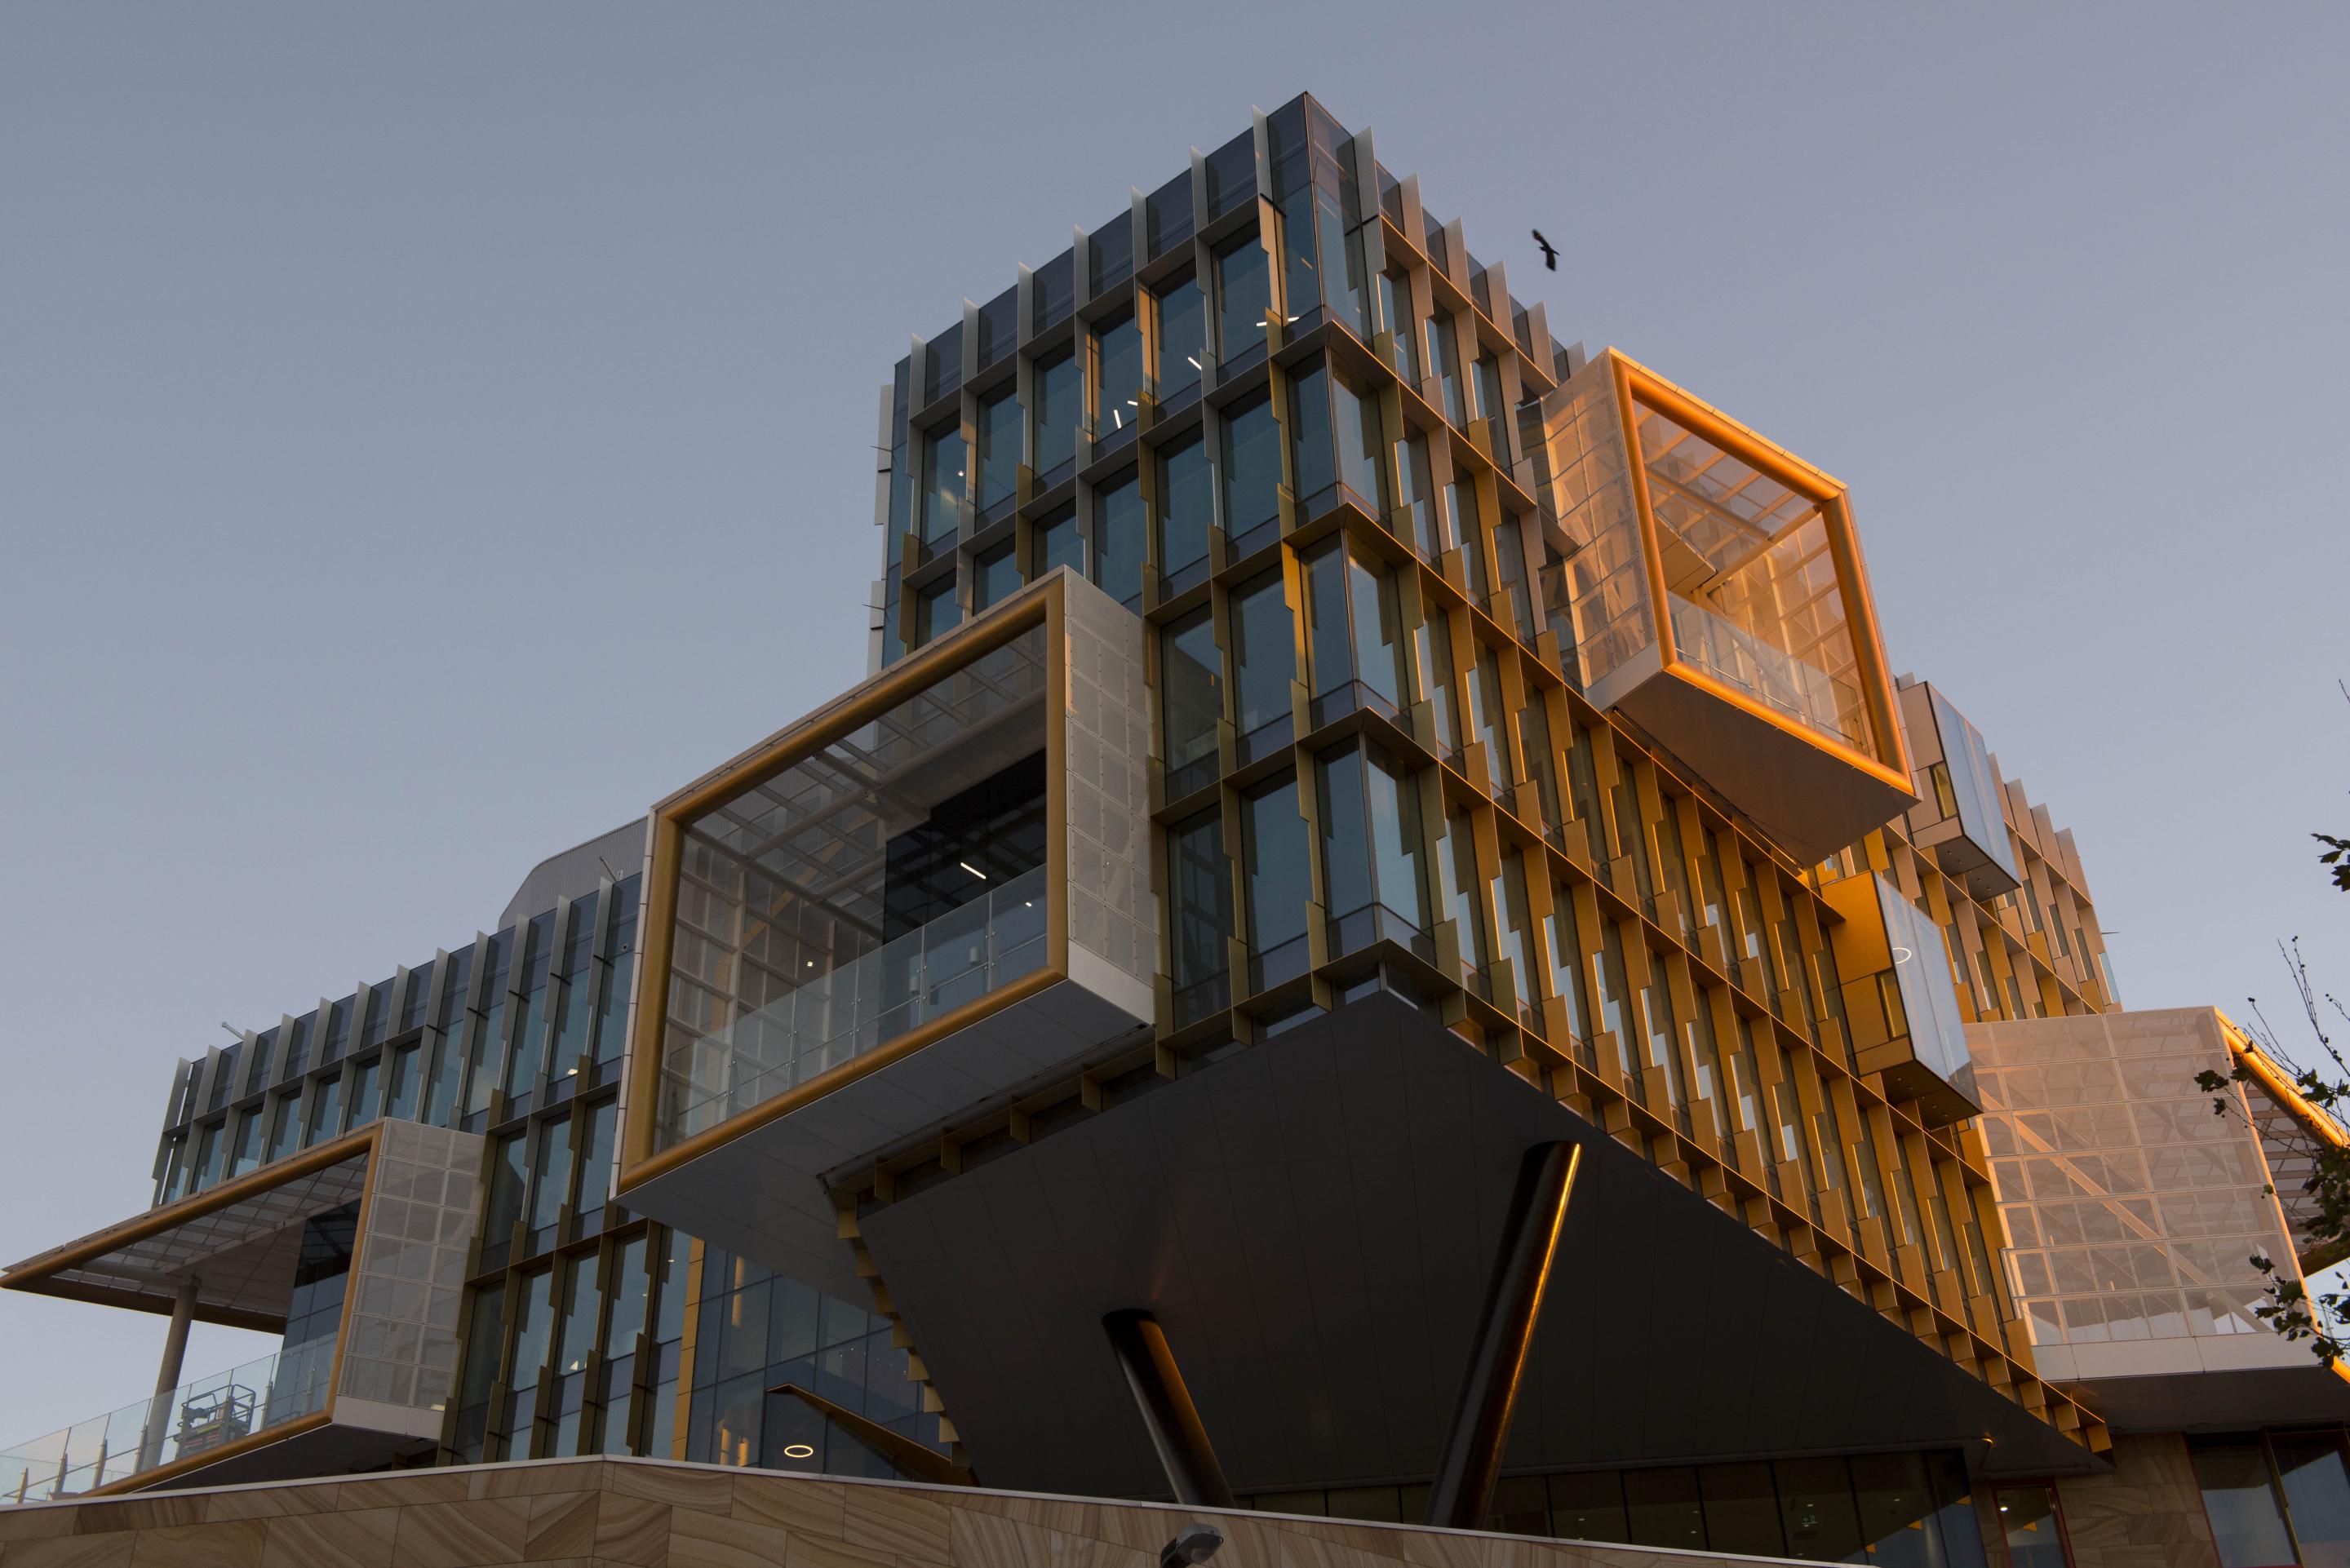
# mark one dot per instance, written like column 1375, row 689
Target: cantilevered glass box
column 1720, row 602
column 914, row 900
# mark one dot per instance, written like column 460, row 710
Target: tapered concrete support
column 1174, row 1422
column 167, row 1375
column 1463, row 1486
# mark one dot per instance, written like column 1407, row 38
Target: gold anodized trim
column 1042, row 604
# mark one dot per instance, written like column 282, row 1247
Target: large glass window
column 596, row 1158
column 325, row 1111
column 245, row 1153
column 1456, row 852
column 936, row 613
column 1309, row 433
column 1346, row 833
column 1418, row 502
column 999, row 449
column 1485, row 714
column 1243, row 296
column 1186, row 506
column 2240, row 1497
column 1513, row 934
column 1264, row 653
column 1564, row 948
column 533, row 1331
column 2035, row 1534
column 1360, row 443
column 1399, row 853
column 284, row 1124
column 1378, row 632
column 1191, row 678
column 1252, row 462
column 1328, row 644
column 1183, row 336
column 1059, row 543
column 1117, row 379
column 1444, row 360
column 1200, row 881
column 1541, row 768
column 945, row 487
column 1059, row 399
column 2317, row 1491
column 1278, row 884
column 1489, row 401
column 994, row 577
column 554, row 1186
column 509, row 1186
column 1433, row 639
column 1118, row 538
column 1396, row 315
column 1342, row 265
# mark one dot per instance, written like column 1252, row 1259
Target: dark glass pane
column 2027, row 1517
column 1345, row 834
column 1201, row 881
column 1588, row 1506
column 2240, row 1498
column 1053, row 292
column 1192, row 679
column 1662, row 1509
column 1273, row 854
column 945, row 371
column 999, row 449
column 1060, row 396
column 1183, row 336
column 1118, row 538
column 944, row 485
column 1399, row 854
column 996, row 576
column 1111, row 249
column 1328, row 643
column 1252, row 462
column 1168, row 211
column 1741, row 1511
column 1232, row 174
column 1059, row 543
column 1186, row 506
column 996, row 325
column 1815, row 1508
column 1242, row 285
column 1117, row 389
column 1264, row 649
column 2318, row 1495
column 1896, row 1510
column 1309, row 433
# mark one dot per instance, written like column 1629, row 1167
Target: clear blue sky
column 430, row 434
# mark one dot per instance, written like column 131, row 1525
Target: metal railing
column 208, row 1413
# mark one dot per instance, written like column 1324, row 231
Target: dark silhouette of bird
column 1549, row 251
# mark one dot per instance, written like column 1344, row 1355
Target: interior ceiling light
column 973, row 869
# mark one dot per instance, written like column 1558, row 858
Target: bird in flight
column 1549, row 251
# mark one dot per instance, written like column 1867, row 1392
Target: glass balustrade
column 208, row 1413
column 857, row 1007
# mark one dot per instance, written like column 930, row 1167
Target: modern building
column 1381, row 941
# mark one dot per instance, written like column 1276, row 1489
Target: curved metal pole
column 1174, row 1422
column 1465, row 1472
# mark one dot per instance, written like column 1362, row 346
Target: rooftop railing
column 208, row 1413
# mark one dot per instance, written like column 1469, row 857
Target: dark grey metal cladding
column 1313, row 1222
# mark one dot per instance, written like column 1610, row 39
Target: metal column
column 1174, row 1422
column 167, row 1375
column 1463, row 1486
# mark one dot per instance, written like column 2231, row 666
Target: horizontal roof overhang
column 1313, row 1222
column 239, row 1241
